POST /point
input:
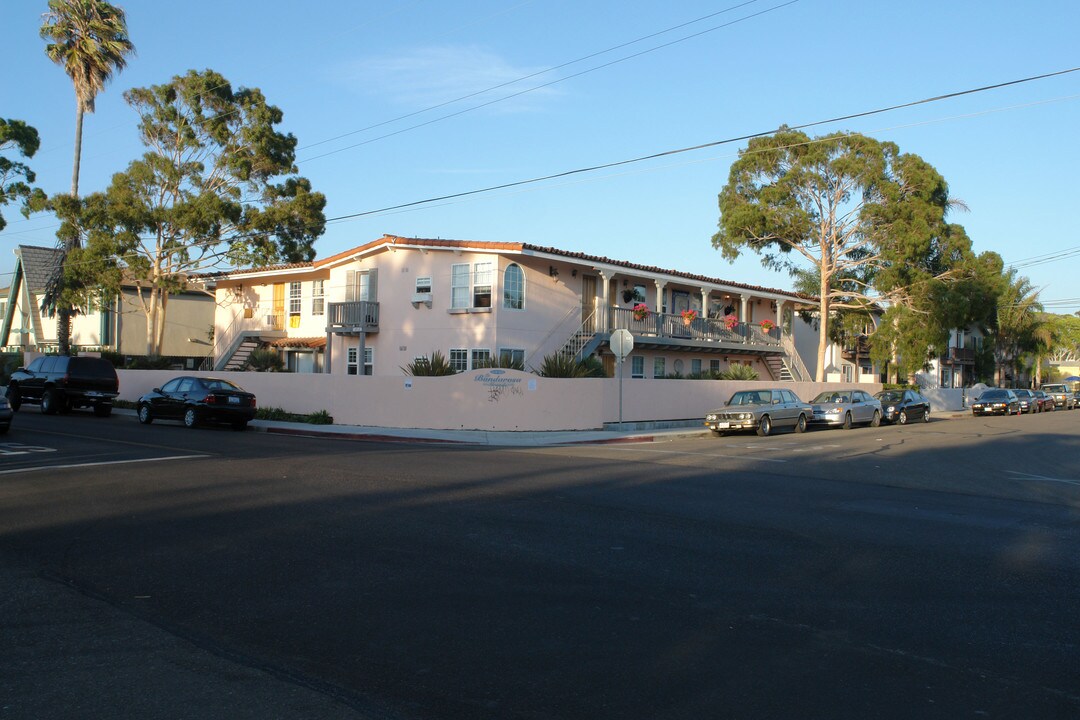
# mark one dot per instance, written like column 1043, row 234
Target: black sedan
column 996, row 402
column 196, row 400
column 903, row 406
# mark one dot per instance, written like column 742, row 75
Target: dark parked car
column 6, row 415
column 1045, row 401
column 59, row 383
column 760, row 410
column 996, row 402
column 903, row 406
column 1028, row 402
column 196, row 400
column 845, row 408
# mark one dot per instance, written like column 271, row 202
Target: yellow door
column 279, row 306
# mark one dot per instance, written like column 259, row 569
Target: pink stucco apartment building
column 375, row 308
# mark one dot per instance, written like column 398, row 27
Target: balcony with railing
column 672, row 330
column 353, row 317
column 960, row 356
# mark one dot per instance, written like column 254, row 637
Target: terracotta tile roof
column 245, row 271
column 394, row 240
column 291, row 342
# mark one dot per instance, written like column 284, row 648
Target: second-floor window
column 459, row 285
column 514, row 287
column 482, row 285
column 294, row 298
column 318, row 297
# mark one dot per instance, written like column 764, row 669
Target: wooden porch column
column 704, row 303
column 660, row 285
column 328, row 352
column 744, row 301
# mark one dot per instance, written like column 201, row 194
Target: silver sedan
column 844, row 408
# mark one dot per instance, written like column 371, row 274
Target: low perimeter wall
column 481, row 399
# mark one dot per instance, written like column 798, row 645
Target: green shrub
column 10, row 364
column 151, row 362
column 320, row 417
column 501, row 361
column 436, row 365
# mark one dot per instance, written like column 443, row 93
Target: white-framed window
column 637, row 366
column 423, row 285
column 514, row 287
column 482, row 272
column 714, row 366
column 480, row 357
column 459, row 359
column 512, row 356
column 678, row 366
column 318, row 297
column 295, row 296
column 362, row 285
column 695, row 366
column 369, row 361
column 659, row 367
column 459, row 285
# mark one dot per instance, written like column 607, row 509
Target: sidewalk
column 480, row 437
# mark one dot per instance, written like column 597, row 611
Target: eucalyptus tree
column 16, row 176
column 216, row 188
column 89, row 39
column 843, row 207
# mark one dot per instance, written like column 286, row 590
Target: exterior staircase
column 778, row 368
column 243, row 351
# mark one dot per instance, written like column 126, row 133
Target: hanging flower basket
column 731, row 321
column 767, row 325
column 688, row 316
column 640, row 311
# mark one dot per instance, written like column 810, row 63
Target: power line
column 716, row 143
column 553, row 68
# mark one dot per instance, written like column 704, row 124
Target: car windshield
column 832, row 397
column 890, row 396
column 1054, row 388
column 993, row 395
column 751, row 397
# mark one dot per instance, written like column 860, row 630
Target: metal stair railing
column 581, row 337
column 793, row 359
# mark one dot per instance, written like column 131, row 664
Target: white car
column 760, row 410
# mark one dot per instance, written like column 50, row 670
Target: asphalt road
column 924, row 571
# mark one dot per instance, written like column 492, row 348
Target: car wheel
column 800, row 426
column 240, row 425
column 903, row 417
column 145, row 416
column 847, row 421
column 14, row 399
column 50, row 402
column 764, row 427
column 876, row 420
column 4, row 429
column 102, row 410
column 191, row 418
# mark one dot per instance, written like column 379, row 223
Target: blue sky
column 337, row 68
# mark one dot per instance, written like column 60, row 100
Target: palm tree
column 1020, row 323
column 89, row 39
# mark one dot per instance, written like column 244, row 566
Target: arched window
column 514, row 288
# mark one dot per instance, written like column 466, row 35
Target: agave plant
column 436, row 365
column 265, row 360
column 561, row 365
column 739, row 372
column 503, row 360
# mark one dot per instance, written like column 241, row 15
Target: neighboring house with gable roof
column 375, row 308
column 120, row 327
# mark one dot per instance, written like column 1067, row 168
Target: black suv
column 59, row 383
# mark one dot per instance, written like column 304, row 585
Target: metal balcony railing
column 667, row 325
